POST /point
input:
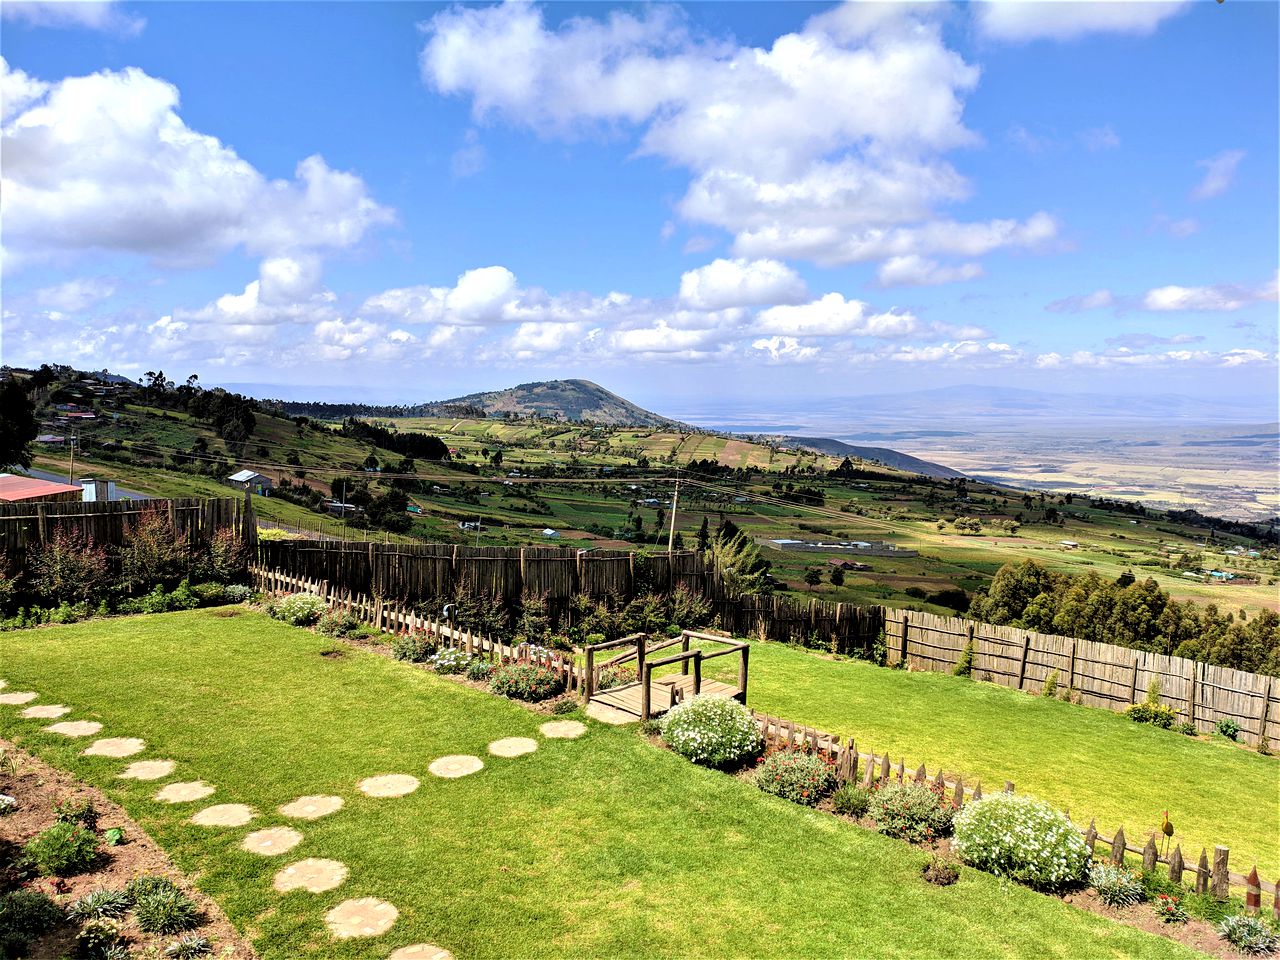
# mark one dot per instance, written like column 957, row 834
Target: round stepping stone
column 3, row 684
column 45, row 711
column 421, row 951
column 513, row 747
column 115, row 747
column 184, row 792
column 457, row 765
column 388, row 785
column 365, row 917
column 312, row 875
column 18, row 698
column 609, row 715
column 148, row 770
column 75, row 728
column 271, row 842
column 312, row 808
column 224, row 815
column 563, row 729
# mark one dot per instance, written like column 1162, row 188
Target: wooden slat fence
column 1101, row 674
column 837, row 627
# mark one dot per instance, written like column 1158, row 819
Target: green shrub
column 187, row 947
column 851, row 801
column 1116, row 886
column 688, row 609
column 564, row 706
column 210, row 594
column 1188, row 729
column 413, row 647
column 1050, row 684
column 338, row 625
column 712, row 731
column 1170, row 910
column 449, row 660
column 148, row 884
column 1156, row 714
column 76, row 810
column 70, row 569
column 1248, row 934
column 616, row 676
column 526, row 681
column 165, row 911
column 183, row 597
column 299, row 609
column 238, row 593
column 1020, row 838
column 63, row 849
column 1228, row 728
column 964, row 666
column 100, row 903
column 796, row 776
column 102, row 938
column 25, row 915
column 480, row 670
column 915, row 812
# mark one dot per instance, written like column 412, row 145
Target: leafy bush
column 940, row 873
column 914, row 812
column 1153, row 713
column 796, row 776
column 63, row 849
column 1170, row 909
column 102, row 938
column 100, row 903
column 1188, row 729
column 338, row 625
column 616, row 677
column 227, row 557
column 1228, row 728
column 851, row 801
column 165, row 911
column 187, row 947
column 210, row 594
column 712, row 731
column 1248, row 934
column 480, row 670
column 449, row 660
column 563, row 706
column 153, row 553
column 688, row 609
column 147, row 885
column 238, row 593
column 964, row 666
column 25, row 915
column 526, row 681
column 299, row 609
column 76, row 810
column 69, row 569
column 1050, row 684
column 1020, row 838
column 1116, row 886
column 414, row 647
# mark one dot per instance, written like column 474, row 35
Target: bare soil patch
column 1196, row 934
column 37, row 786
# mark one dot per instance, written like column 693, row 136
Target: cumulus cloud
column 814, row 146
column 1089, row 301
column 1018, row 21
column 783, row 349
column 102, row 15
column 741, row 283
column 1219, row 298
column 1219, row 173
column 915, row 271
column 833, row 316
column 104, row 162
column 77, row 295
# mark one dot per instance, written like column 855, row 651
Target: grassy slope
column 601, row 846
column 1095, row 762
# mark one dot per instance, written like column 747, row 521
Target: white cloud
column 76, row 296
column 814, row 146
column 1018, row 21
column 1218, row 298
column 783, row 349
column 470, row 158
column 104, row 162
column 741, row 283
column 915, row 271
column 991, row 353
column 1181, row 229
column 18, row 89
column 103, row 15
column 1100, row 138
column 833, row 316
column 1089, row 301
column 1220, row 171
column 1126, row 357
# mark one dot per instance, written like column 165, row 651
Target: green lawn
column 1095, row 762
column 603, row 846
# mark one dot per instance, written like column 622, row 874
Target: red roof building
column 15, row 489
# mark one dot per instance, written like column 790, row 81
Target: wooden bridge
column 649, row 696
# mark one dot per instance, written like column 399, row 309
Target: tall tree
column 18, row 425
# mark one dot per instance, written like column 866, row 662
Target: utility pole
column 71, row 471
column 675, row 500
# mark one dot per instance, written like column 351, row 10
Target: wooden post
column 977, row 791
column 1022, row 666
column 1262, row 718
column 921, row 776
column 697, row 673
column 939, row 783
column 1008, row 786
column 1253, row 892
column 684, row 648
column 645, row 677
column 1202, row 872
column 901, row 769
column 902, row 655
column 1150, row 855
column 742, row 673
column 884, row 768
column 1091, row 836
column 1221, row 876
column 1133, row 684
column 1191, row 701
column 1175, row 864
column 1117, row 847
column 957, row 797
column 589, row 679
column 1071, row 668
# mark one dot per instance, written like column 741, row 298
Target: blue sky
column 408, row 201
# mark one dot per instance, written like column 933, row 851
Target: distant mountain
column 890, row 458
column 572, row 400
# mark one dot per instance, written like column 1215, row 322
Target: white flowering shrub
column 1020, row 838
column 449, row 660
column 712, row 731
column 299, row 609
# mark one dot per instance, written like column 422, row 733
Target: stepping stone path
column 184, row 792
column 312, row 875
column 115, row 747
column 17, row 699
column 458, row 765
column 312, row 808
column 148, row 770
column 513, row 747
column 421, row 951
column 607, row 714
column 563, row 729
column 388, row 785
column 224, row 815
column 46, row 711
column 271, row 842
column 365, row 917
column 75, row 728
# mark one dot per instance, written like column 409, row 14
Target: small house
column 16, row 489
column 549, row 533
column 98, row 491
column 1068, row 545
column 250, row 480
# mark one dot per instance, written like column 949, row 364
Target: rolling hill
column 890, row 458
column 572, row 400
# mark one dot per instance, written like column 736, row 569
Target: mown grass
column 1097, row 763
column 604, row 846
